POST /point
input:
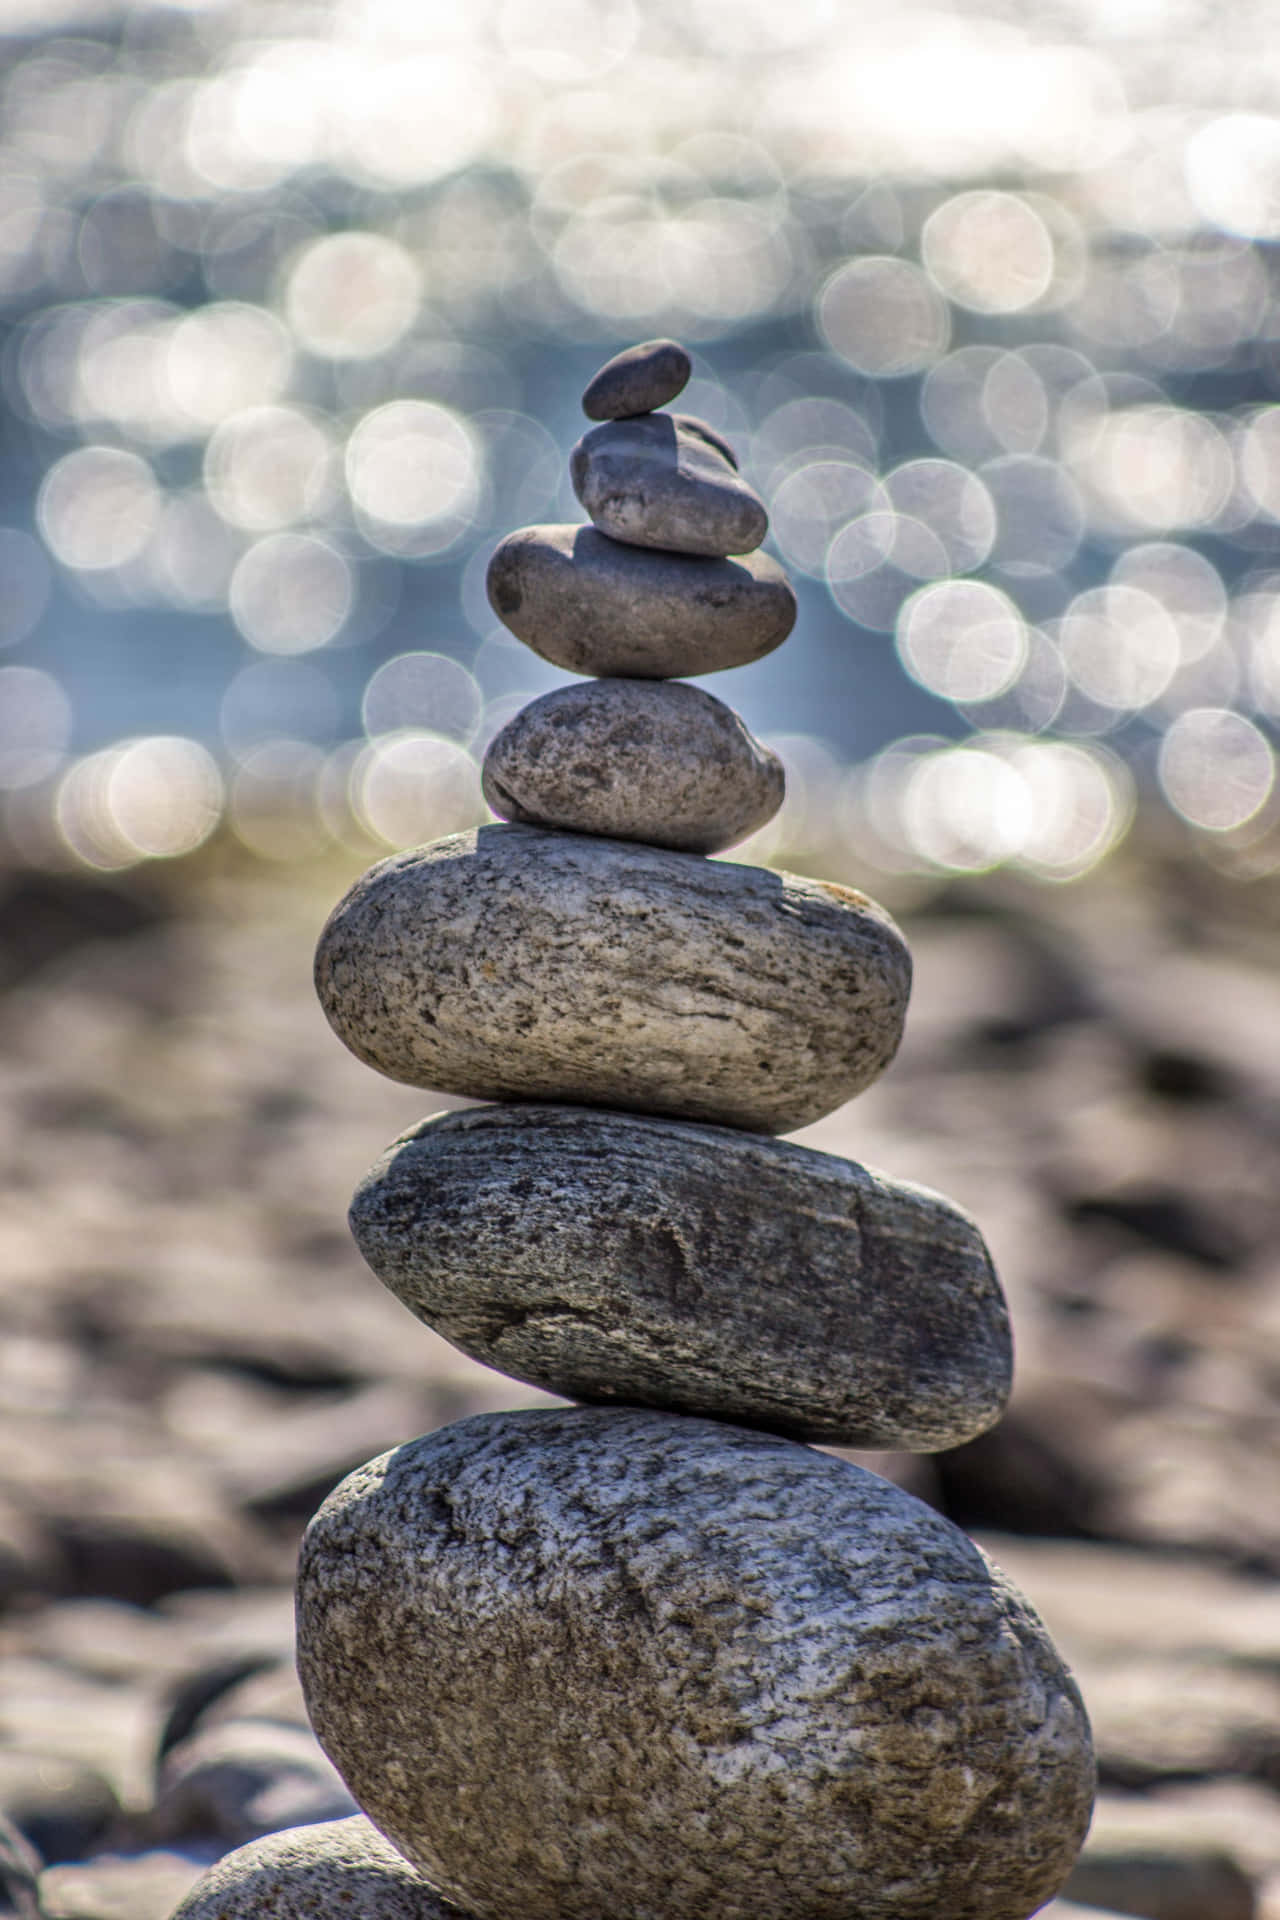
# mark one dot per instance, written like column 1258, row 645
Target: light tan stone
column 511, row 963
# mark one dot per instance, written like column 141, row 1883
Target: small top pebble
column 637, row 380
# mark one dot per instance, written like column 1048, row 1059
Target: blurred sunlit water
column 298, row 299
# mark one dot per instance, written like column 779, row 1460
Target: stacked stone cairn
column 652, row 1657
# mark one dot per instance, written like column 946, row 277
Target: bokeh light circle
column 962, row 639
column 988, row 251
column 97, row 508
column 884, row 316
column 352, row 295
column 427, row 692
column 35, row 726
column 412, row 787
column 291, row 592
column 415, row 472
column 1216, row 768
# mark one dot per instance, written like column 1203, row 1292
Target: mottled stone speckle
column 645, row 760
column 591, row 605
column 337, row 1870
column 615, row 1257
column 582, row 1663
column 513, row 963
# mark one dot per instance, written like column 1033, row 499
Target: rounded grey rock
column 591, row 605
column 241, row 1779
column 649, row 760
column 609, row 1256
column 637, row 380
column 666, row 480
column 582, row 1662
column 342, row 1867
column 513, row 963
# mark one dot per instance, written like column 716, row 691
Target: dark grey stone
column 19, row 1871
column 637, row 380
column 608, row 1256
column 666, row 480
column 234, row 1782
column 650, row 760
column 63, row 1807
column 341, row 1869
column 512, row 963
column 582, row 1662
column 592, row 605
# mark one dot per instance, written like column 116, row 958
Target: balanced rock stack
column 649, row 1658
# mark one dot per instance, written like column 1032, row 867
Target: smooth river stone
column 607, row 1256
column 513, row 963
column 637, row 380
column 651, row 760
column 581, row 1662
column 591, row 605
column 336, row 1868
column 666, row 480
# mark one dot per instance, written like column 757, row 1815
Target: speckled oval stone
column 514, row 963
column 666, row 480
column 592, row 605
column 610, row 1256
column 650, row 760
column 637, row 380
column 580, row 1663
column 338, row 1867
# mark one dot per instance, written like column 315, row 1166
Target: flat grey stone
column 512, row 963
column 666, row 480
column 585, row 1662
column 649, row 760
column 1191, row 1884
column 609, row 1256
column 341, row 1868
column 637, row 380
column 591, row 605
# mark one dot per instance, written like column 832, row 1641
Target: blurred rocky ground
column 193, row 1352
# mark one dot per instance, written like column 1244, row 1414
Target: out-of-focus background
column 296, row 303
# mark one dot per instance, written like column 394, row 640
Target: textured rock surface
column 716, row 1674
column 610, row 1256
column 341, row 1868
column 635, row 759
column 636, row 380
column 592, row 605
column 666, row 480
column 510, row 962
